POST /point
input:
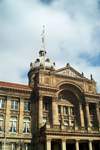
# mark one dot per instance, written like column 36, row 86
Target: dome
column 42, row 61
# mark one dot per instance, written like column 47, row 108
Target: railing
column 69, row 129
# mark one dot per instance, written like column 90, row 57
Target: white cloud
column 71, row 30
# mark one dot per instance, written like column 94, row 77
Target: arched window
column 68, row 107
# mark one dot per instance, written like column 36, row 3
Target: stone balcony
column 62, row 129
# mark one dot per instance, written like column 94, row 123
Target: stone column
column 48, row 144
column 77, row 145
column 90, row 145
column 63, row 144
column 40, row 116
column 21, row 114
column 81, row 115
column 88, row 116
column 54, row 111
column 98, row 115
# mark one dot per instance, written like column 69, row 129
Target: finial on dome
column 91, row 76
column 82, row 74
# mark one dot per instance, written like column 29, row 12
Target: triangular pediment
column 69, row 71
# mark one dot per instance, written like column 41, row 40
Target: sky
column 72, row 36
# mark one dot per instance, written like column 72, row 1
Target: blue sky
column 72, row 35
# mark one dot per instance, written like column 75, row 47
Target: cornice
column 92, row 95
column 18, row 90
column 46, row 87
column 75, row 133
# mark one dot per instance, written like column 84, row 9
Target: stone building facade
column 58, row 110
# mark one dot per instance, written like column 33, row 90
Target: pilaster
column 54, row 111
column 81, row 115
column 21, row 114
column 98, row 115
column 40, row 116
column 7, row 117
column 87, row 115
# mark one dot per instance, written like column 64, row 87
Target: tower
column 39, row 73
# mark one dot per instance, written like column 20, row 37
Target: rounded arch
column 71, row 87
column 69, row 83
column 70, row 95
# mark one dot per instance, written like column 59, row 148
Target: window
column 71, row 111
column 13, row 146
column 14, row 105
column 66, row 122
column 1, row 123
column 1, row 103
column 45, row 105
column 26, row 106
column 71, row 121
column 13, row 124
column 68, row 115
column 59, row 109
column 45, row 119
column 26, row 146
column 65, row 110
column 26, row 125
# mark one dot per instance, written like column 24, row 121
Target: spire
column 43, row 37
column 42, row 52
column 42, row 61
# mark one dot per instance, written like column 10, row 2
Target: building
column 58, row 110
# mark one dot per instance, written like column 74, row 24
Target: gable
column 69, row 71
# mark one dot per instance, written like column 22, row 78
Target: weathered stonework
column 64, row 110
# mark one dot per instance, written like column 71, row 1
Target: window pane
column 59, row 109
column 14, row 105
column 26, row 106
column 1, row 103
column 71, row 111
column 1, row 123
column 13, row 124
column 26, row 125
column 13, row 146
column 65, row 110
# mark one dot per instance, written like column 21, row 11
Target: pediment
column 69, row 71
